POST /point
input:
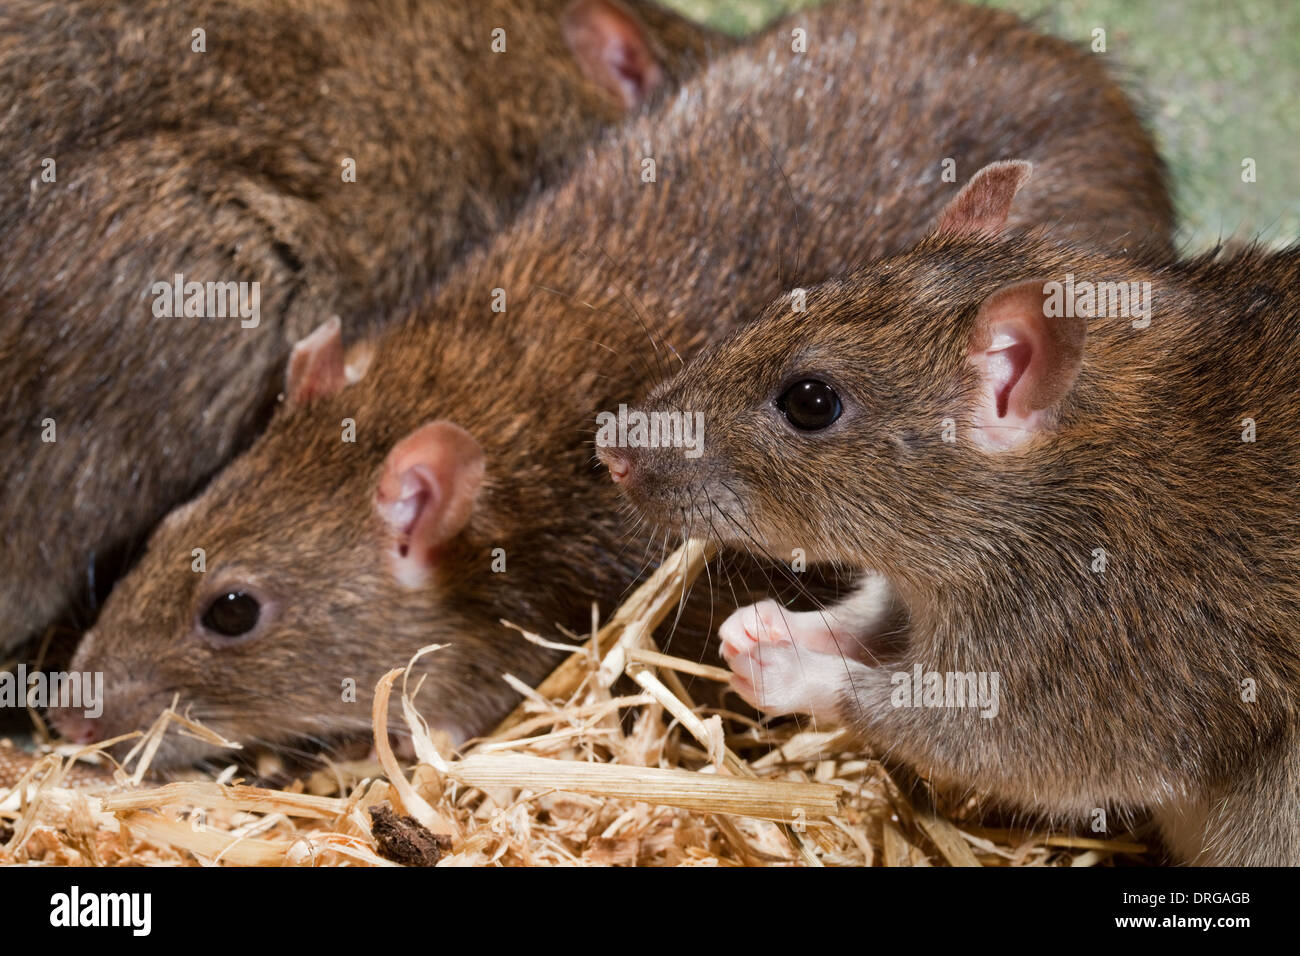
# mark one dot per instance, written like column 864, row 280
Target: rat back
column 197, row 185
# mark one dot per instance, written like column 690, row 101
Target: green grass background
column 1218, row 81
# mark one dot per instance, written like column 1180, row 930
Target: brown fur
column 226, row 166
column 773, row 168
column 1121, row 688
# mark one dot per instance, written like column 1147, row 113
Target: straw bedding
column 581, row 773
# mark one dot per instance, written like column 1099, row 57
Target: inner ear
column 1009, row 361
column 425, row 495
column 612, row 50
column 1028, row 360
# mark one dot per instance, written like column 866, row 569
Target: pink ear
column 316, row 364
column 612, row 51
column 1028, row 362
column 982, row 206
column 426, row 492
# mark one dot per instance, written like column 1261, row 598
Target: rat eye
column 232, row 614
column 810, row 405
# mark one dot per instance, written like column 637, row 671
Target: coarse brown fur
column 1124, row 686
column 227, row 166
column 772, row 168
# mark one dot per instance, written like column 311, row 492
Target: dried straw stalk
column 560, row 781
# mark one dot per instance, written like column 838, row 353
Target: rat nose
column 619, row 465
column 76, row 727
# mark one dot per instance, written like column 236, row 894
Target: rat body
column 333, row 158
column 1071, row 504
column 466, row 492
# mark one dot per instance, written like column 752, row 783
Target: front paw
column 783, row 678
column 769, row 623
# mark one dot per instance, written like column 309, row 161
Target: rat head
column 335, row 523
column 887, row 409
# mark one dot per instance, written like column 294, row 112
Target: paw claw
column 767, row 622
column 752, row 625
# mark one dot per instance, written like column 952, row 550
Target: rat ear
column 982, row 206
column 316, row 364
column 612, row 49
column 426, row 491
column 1028, row 361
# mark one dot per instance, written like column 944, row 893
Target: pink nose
column 618, row 465
column 76, row 727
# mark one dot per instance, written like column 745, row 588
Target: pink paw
column 782, row 678
column 769, row 623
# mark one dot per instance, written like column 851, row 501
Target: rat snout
column 97, row 698
column 75, row 726
column 73, row 700
column 618, row 461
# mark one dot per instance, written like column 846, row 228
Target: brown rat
column 1082, row 494
column 453, row 485
column 339, row 155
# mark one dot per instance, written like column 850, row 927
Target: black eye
column 810, row 405
column 232, row 614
